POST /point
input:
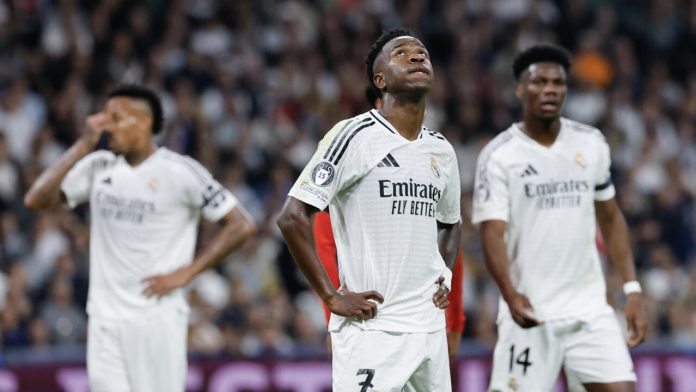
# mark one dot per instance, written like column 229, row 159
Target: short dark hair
column 540, row 53
column 377, row 47
column 149, row 96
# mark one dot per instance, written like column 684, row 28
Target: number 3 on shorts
column 522, row 359
column 368, row 380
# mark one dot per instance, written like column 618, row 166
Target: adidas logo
column 388, row 161
column 529, row 171
column 107, row 181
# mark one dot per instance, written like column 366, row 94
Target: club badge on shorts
column 323, row 173
column 512, row 383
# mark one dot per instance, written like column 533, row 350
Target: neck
column 137, row 156
column 543, row 131
column 405, row 115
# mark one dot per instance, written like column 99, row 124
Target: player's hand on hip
column 358, row 306
column 440, row 297
column 522, row 311
column 635, row 319
column 160, row 285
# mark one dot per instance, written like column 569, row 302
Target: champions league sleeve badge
column 323, row 173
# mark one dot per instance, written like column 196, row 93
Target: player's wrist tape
column 632, row 287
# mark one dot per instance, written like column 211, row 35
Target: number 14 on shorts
column 522, row 359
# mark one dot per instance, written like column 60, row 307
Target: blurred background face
column 404, row 65
column 130, row 124
column 542, row 90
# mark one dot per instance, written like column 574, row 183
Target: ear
column 519, row 90
column 378, row 80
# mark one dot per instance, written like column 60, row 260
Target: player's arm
column 615, row 232
column 492, row 211
column 448, row 239
column 45, row 192
column 295, row 222
column 448, row 217
column 235, row 228
column 495, row 256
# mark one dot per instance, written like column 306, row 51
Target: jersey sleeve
column 604, row 188
column 77, row 184
column 333, row 167
column 492, row 193
column 449, row 206
column 204, row 192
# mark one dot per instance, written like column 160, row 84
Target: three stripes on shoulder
column 388, row 161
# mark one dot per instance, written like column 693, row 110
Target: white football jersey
column 385, row 195
column 546, row 195
column 144, row 221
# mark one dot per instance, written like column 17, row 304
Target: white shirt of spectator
column 385, row 196
column 546, row 195
column 144, row 221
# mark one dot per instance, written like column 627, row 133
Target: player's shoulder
column 351, row 134
column 181, row 164
column 435, row 137
column 349, row 127
column 585, row 131
column 499, row 145
column 368, row 126
column 439, row 144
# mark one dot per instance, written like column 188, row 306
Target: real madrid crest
column 435, row 168
column 580, row 160
column 153, row 183
column 323, row 173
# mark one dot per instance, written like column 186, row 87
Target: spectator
column 66, row 322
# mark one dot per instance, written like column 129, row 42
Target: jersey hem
column 450, row 220
column 504, row 313
column 478, row 219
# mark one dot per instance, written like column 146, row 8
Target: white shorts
column 140, row 355
column 592, row 350
column 379, row 361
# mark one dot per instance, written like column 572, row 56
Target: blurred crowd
column 250, row 86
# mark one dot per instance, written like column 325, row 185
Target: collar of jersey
column 378, row 116
column 559, row 139
column 144, row 163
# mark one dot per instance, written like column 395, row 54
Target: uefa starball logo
column 323, row 173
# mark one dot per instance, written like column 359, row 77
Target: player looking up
column 392, row 187
column 326, row 249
